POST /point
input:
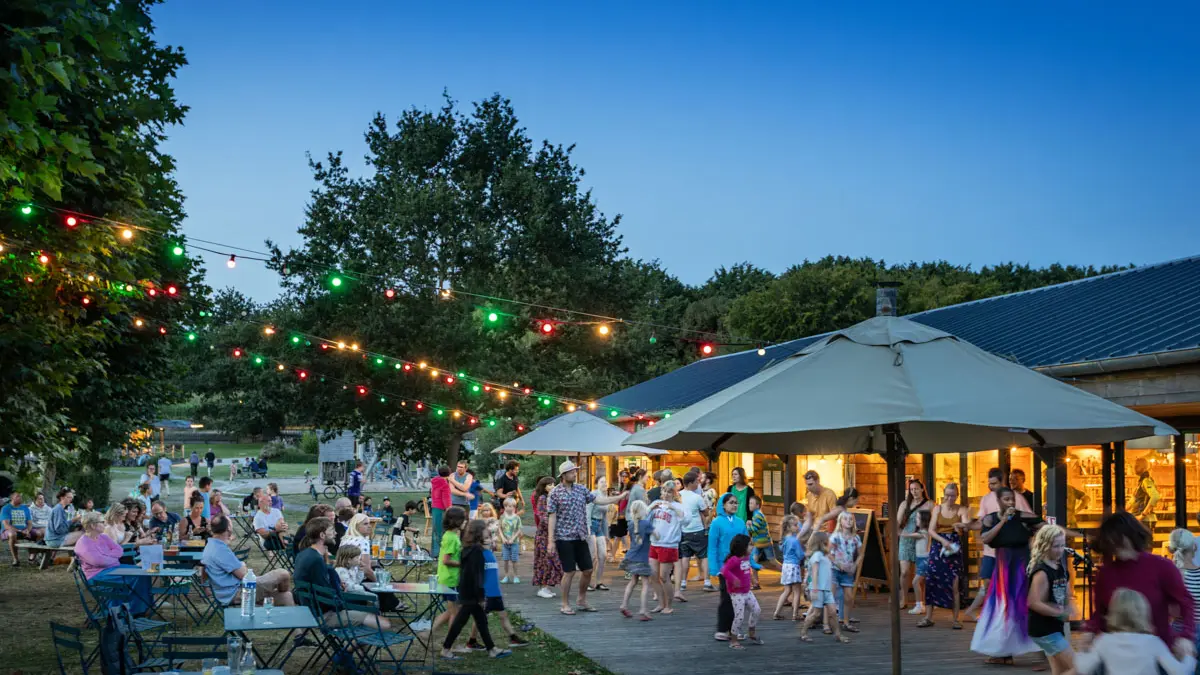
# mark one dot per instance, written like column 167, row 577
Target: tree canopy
column 86, row 102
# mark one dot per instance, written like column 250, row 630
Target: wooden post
column 895, row 486
column 1106, row 481
column 791, row 465
column 1056, row 481
column 1004, row 463
column 1181, row 514
column 927, row 477
column 964, row 482
column 1037, row 484
column 1119, row 475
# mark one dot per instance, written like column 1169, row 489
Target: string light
column 268, row 331
column 389, row 293
column 171, row 290
column 177, row 250
column 44, row 259
column 279, row 367
column 127, row 234
column 232, row 262
column 26, row 210
column 86, row 300
column 191, row 337
column 162, row 330
column 762, row 352
column 603, row 329
column 706, row 349
column 72, row 221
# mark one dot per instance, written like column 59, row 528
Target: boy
column 403, row 530
column 510, row 539
column 389, row 514
column 495, row 600
column 762, row 549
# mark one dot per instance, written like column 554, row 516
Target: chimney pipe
column 886, row 301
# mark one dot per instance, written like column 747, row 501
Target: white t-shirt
column 693, row 506
column 164, row 466
column 267, row 521
column 668, row 523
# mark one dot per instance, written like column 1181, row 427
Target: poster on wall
column 772, row 481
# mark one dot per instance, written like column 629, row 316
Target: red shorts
column 664, row 554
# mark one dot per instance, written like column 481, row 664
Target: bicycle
column 333, row 491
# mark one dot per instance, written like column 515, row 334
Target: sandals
column 736, row 645
column 645, row 617
column 626, row 613
column 586, row 608
column 568, row 612
column 805, row 638
column 849, row 629
column 680, row 598
column 924, row 623
column 778, row 617
column 843, row 639
column 755, row 641
column 956, row 625
column 998, row 661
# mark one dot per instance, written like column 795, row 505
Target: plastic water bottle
column 249, row 587
column 247, row 664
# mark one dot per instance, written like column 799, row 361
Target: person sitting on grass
column 225, row 571
column 270, row 525
column 18, row 525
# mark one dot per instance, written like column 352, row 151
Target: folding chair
column 126, row 624
column 276, row 550
column 325, row 646
column 70, row 639
column 342, row 635
column 208, row 597
column 377, row 640
column 190, row 648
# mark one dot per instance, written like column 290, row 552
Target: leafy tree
column 86, row 101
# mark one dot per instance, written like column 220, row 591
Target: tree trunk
column 49, row 474
column 452, row 445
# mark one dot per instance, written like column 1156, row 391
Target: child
column 792, row 573
column 491, row 582
column 637, row 559
column 389, row 514
column 846, row 550
column 667, row 514
column 820, row 588
column 1129, row 646
column 736, row 572
column 403, row 530
column 922, row 566
column 760, row 537
column 510, row 540
column 347, row 565
column 450, row 550
column 276, row 500
column 1050, row 598
column 364, row 506
column 471, row 586
column 487, row 513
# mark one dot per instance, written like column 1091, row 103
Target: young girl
column 598, row 532
column 792, row 575
column 760, row 537
column 921, row 553
column 846, row 550
column 348, row 566
column 472, row 585
column 1129, row 646
column 637, row 559
column 510, row 540
column 449, row 553
column 487, row 513
column 736, row 572
column 820, row 588
column 667, row 514
column 1050, row 598
column 547, row 568
column 276, row 500
column 491, row 583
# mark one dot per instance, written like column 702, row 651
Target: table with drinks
column 411, row 560
column 269, row 617
column 430, row 590
column 240, row 659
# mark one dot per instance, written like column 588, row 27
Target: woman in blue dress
column 946, row 525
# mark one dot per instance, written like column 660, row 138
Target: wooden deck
column 683, row 642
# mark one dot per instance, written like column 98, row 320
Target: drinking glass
column 209, row 665
column 268, row 605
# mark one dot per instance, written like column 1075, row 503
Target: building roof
column 1145, row 310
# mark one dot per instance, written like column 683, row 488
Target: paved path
column 682, row 643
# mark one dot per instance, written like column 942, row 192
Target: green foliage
column 273, row 450
column 310, row 444
column 86, row 99
column 89, row 482
column 835, row 292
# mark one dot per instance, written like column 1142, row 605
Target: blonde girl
column 667, row 517
column 1050, row 598
column 1129, row 645
column 637, row 558
column 487, row 513
column 846, row 551
column 598, row 532
column 792, row 575
column 820, row 588
column 348, row 565
column 114, row 523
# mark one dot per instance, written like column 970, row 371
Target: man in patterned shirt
column 568, row 530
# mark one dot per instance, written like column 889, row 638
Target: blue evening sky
column 976, row 132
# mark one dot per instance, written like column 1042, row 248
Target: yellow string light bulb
column 592, row 405
column 603, row 329
column 503, row 394
column 279, row 367
column 127, row 234
column 422, row 365
column 433, row 373
column 457, row 414
column 354, row 347
column 91, row 277
column 268, row 331
column 571, row 408
column 341, row 345
column 139, row 323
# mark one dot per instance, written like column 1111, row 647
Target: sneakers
column 515, row 580
column 721, row 637
column 708, row 587
column 504, row 580
column 544, row 592
column 475, row 646
column 917, row 609
column 517, row 641
column 683, row 585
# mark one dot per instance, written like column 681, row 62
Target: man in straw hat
column 569, row 531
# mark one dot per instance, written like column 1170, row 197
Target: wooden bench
column 44, row 555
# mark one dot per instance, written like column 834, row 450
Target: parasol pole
column 895, row 484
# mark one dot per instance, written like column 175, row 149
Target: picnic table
column 291, row 619
column 432, row 594
column 44, row 555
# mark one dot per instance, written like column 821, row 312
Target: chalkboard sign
column 873, row 566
